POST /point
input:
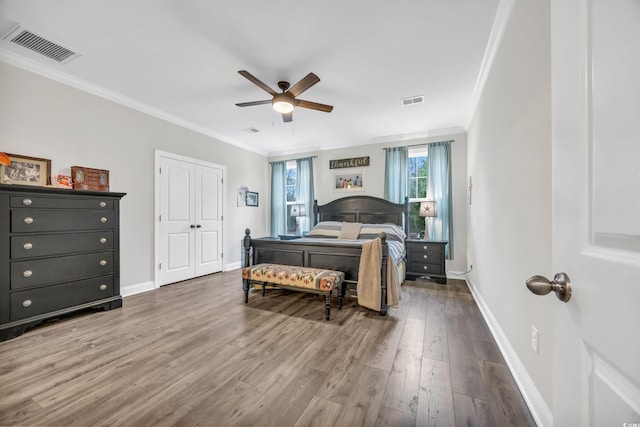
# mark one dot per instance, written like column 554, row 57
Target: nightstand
column 426, row 258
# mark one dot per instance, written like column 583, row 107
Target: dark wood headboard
column 364, row 209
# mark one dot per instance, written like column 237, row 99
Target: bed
column 323, row 249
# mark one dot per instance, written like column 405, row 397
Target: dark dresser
column 426, row 258
column 59, row 253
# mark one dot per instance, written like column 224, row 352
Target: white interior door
column 596, row 217
column 208, row 233
column 190, row 227
column 177, row 221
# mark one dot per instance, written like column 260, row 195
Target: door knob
column 192, row 226
column 560, row 284
column 198, row 226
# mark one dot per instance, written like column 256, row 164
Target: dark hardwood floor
column 193, row 353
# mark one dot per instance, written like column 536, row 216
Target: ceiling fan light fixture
column 282, row 103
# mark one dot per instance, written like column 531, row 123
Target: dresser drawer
column 39, row 220
column 426, row 247
column 415, row 267
column 28, row 273
column 35, row 202
column 33, row 302
column 59, row 244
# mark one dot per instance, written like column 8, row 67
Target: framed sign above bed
column 347, row 181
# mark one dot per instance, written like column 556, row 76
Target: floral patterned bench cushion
column 293, row 276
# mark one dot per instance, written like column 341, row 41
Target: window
column 291, row 180
column 417, row 168
column 417, row 180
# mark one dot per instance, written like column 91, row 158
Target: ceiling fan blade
column 257, row 82
column 287, row 117
column 304, row 84
column 249, row 104
column 314, row 105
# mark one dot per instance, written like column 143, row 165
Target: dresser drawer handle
column 103, row 204
column 28, row 220
column 103, row 240
column 425, row 267
column 103, row 262
column 27, row 273
column 27, row 202
column 103, row 287
column 27, row 246
column 26, row 303
column 103, row 219
column 425, row 257
column 425, row 247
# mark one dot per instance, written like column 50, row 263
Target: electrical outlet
column 534, row 339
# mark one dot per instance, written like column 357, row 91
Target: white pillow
column 350, row 230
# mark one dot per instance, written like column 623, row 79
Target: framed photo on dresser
column 26, row 170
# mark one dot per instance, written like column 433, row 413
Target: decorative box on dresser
column 426, row 258
column 59, row 253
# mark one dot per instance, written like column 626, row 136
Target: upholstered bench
column 305, row 279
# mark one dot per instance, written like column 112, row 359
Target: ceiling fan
column 285, row 102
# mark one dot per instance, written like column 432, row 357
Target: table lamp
column 298, row 211
column 427, row 210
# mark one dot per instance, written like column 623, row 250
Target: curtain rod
column 288, row 160
column 418, row 145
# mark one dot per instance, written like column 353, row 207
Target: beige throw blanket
column 368, row 288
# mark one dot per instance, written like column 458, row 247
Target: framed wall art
column 26, row 170
column 252, row 198
column 353, row 180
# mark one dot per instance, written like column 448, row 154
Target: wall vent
column 413, row 100
column 36, row 43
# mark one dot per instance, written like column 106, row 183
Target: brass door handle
column 560, row 284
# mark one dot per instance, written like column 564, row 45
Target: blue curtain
column 439, row 189
column 304, row 191
column 278, row 198
column 395, row 174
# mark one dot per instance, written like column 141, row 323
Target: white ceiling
column 180, row 60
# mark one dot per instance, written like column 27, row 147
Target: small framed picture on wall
column 352, row 180
column 252, row 198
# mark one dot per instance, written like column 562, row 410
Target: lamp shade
column 428, row 208
column 298, row 210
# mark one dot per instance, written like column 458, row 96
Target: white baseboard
column 137, row 288
column 233, row 266
column 538, row 407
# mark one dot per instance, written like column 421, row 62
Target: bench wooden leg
column 327, row 305
column 342, row 290
column 245, row 288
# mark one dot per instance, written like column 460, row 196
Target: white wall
column 509, row 234
column 374, row 185
column 43, row 118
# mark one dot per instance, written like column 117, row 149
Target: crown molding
column 61, row 77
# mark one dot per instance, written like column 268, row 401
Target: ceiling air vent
column 413, row 100
column 251, row 130
column 29, row 40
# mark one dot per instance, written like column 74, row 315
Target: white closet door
column 190, row 228
column 208, row 238
column 177, row 221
